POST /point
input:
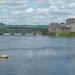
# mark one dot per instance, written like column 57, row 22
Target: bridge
column 21, row 29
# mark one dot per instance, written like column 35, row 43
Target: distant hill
column 22, row 26
column 2, row 24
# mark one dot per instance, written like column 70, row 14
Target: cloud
column 70, row 6
column 58, row 2
column 53, row 8
column 4, row 1
column 30, row 11
column 35, row 11
column 4, row 10
column 6, row 21
column 42, row 11
column 62, row 4
column 16, row 12
column 40, row 17
column 41, row 1
column 13, row 1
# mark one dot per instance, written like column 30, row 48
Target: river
column 37, row 55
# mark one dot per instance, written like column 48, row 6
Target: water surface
column 37, row 55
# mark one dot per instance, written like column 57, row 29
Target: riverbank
column 68, row 34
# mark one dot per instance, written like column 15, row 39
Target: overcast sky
column 36, row 11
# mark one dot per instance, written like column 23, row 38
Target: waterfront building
column 71, row 22
column 63, row 28
column 52, row 27
column 58, row 27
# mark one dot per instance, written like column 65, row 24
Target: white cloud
column 41, row 1
column 30, row 11
column 42, row 10
column 16, row 12
column 62, row 5
column 20, row 2
column 4, row 1
column 4, row 10
column 72, row 16
column 70, row 6
column 7, row 20
column 20, row 7
column 53, row 8
column 58, row 2
column 40, row 18
column 39, row 10
column 13, row 3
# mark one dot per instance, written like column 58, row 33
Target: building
column 52, row 27
column 58, row 28
column 71, row 22
column 63, row 28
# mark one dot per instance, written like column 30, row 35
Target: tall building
column 71, row 22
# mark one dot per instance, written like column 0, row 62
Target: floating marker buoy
column 4, row 56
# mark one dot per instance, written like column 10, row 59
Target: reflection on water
column 37, row 55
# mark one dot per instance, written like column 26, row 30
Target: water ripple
column 41, row 48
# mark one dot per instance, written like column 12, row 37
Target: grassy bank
column 70, row 34
column 67, row 34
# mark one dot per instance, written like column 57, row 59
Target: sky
column 36, row 12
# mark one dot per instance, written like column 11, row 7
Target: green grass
column 70, row 34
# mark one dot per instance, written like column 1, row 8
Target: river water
column 37, row 55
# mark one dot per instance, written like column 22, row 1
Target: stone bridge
column 22, row 29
